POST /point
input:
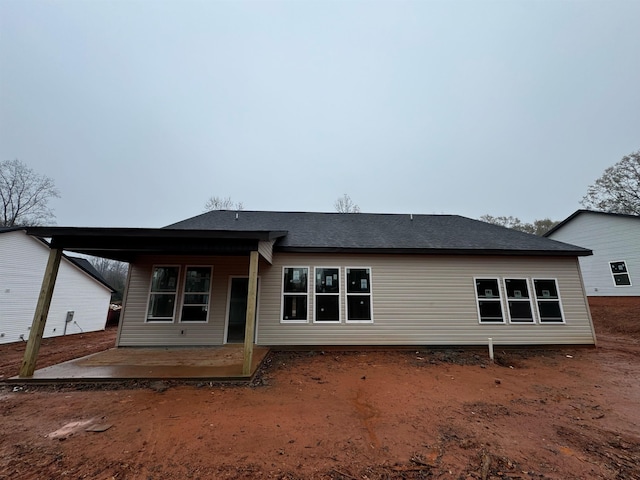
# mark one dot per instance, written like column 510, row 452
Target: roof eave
column 583, row 252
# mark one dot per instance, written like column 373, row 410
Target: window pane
column 198, row 279
column 487, row 288
column 161, row 305
column 359, row 307
column 516, row 288
column 358, row 280
column 550, row 311
column 618, row 267
column 546, row 288
column 295, row 280
column 191, row 299
column 490, row 311
column 164, row 279
column 520, row 311
column 295, row 307
column 194, row 313
column 327, row 280
column 327, row 308
column 622, row 279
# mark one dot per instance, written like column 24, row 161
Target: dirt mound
column 616, row 315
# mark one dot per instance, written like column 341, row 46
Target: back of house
column 355, row 279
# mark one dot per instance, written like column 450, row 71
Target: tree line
column 25, row 197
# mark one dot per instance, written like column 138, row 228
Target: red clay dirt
column 561, row 413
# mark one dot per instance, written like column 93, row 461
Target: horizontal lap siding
column 426, row 300
column 417, row 300
column 612, row 239
column 135, row 331
column 23, row 260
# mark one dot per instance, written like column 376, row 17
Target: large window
column 620, row 274
column 359, row 295
column 548, row 300
column 519, row 304
column 195, row 300
column 327, row 294
column 489, row 300
column 295, row 294
column 162, row 294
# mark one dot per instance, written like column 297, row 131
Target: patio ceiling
column 125, row 244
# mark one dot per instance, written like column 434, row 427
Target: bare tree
column 221, row 203
column 25, row 195
column 114, row 272
column 538, row 227
column 618, row 189
column 344, row 204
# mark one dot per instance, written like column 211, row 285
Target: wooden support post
column 250, row 322
column 40, row 316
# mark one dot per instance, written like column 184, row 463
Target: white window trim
column 316, row 294
column 149, row 293
column 347, row 294
column 283, row 293
column 500, row 299
column 559, row 300
column 184, row 292
column 507, row 299
column 627, row 273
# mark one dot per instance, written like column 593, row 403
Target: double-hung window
column 518, row 300
column 327, row 294
column 295, row 294
column 489, row 300
column 620, row 274
column 359, row 294
column 163, row 293
column 195, row 300
column 548, row 300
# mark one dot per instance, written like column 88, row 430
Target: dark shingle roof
column 381, row 233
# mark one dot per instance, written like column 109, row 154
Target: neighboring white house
column 614, row 268
column 80, row 301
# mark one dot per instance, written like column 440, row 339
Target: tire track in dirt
column 367, row 414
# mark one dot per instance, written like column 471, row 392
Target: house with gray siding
column 614, row 268
column 80, row 301
column 316, row 279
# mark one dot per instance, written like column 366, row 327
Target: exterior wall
column 23, row 260
column 612, row 238
column 135, row 331
column 265, row 249
column 417, row 300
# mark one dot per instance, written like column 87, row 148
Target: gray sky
column 141, row 110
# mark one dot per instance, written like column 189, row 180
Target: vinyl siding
column 136, row 331
column 23, row 261
column 417, row 300
column 266, row 250
column 611, row 238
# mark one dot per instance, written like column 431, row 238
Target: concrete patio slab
column 217, row 363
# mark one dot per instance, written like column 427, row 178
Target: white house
column 80, row 301
column 614, row 268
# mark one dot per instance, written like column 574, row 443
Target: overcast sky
column 142, row 110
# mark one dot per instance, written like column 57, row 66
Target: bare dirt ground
column 562, row 413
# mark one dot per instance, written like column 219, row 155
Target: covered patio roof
column 125, row 244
